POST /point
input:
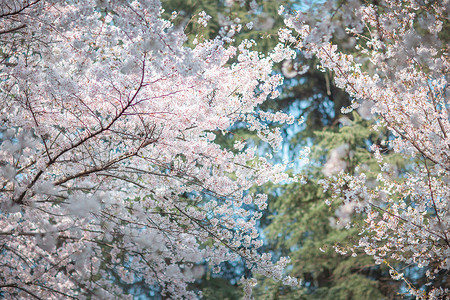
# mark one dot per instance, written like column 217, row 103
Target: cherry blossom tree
column 399, row 74
column 107, row 157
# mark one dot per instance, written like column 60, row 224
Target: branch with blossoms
column 400, row 72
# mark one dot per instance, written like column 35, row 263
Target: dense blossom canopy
column 109, row 168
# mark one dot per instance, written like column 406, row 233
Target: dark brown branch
column 13, row 29
column 18, row 11
column 14, row 285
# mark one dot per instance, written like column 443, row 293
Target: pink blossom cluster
column 108, row 166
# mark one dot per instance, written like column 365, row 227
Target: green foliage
column 220, row 288
column 300, row 227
